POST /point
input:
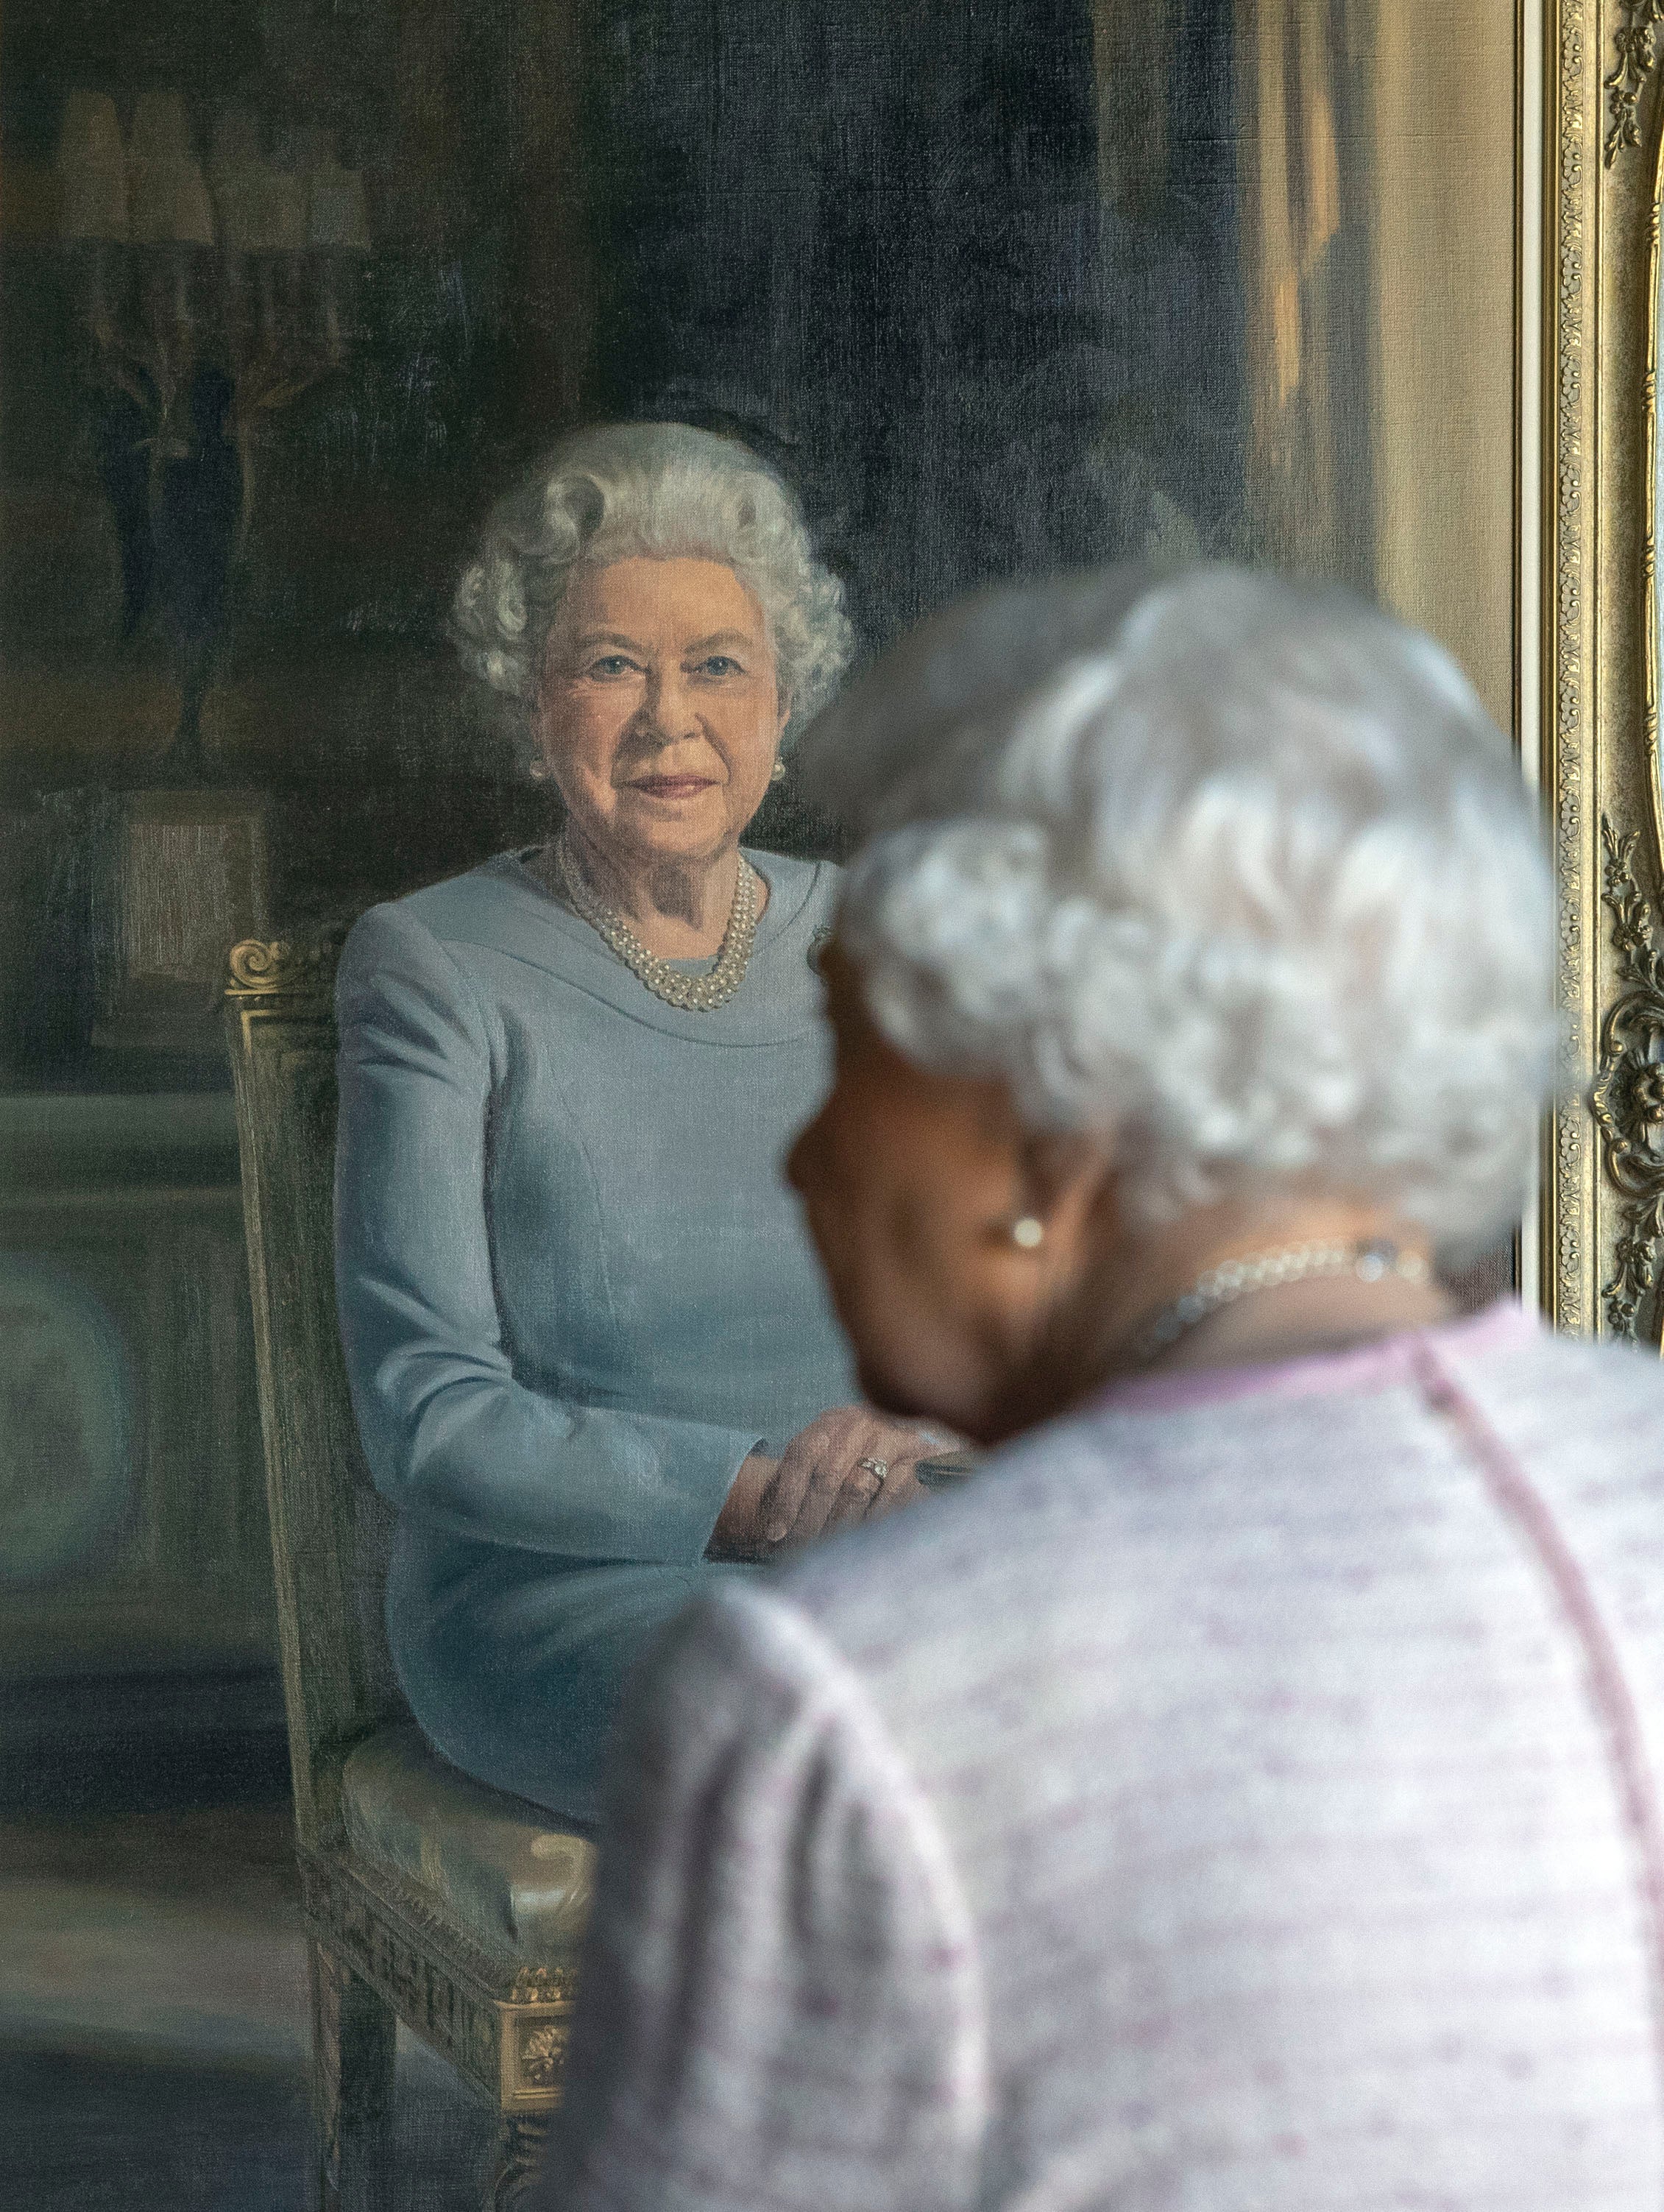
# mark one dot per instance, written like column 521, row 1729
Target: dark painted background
column 869, row 238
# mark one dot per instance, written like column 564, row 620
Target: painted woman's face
column 659, row 710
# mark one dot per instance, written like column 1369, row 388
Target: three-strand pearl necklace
column 693, row 994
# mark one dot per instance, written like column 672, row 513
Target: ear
column 783, row 701
column 1066, row 1180
column 1064, row 1167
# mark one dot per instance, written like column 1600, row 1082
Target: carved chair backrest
column 330, row 1530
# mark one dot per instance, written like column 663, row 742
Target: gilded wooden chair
column 428, row 1898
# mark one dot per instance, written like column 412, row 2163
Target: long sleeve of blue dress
column 573, row 1293
column 455, row 1435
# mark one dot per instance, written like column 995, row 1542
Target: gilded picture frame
column 1592, row 1254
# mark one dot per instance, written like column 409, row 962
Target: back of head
column 1236, row 866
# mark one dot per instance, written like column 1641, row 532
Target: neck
column 1285, row 1321
column 1295, row 1321
column 677, row 907
column 1088, row 1340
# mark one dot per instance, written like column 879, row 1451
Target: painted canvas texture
column 290, row 292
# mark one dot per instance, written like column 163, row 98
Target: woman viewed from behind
column 1244, row 1792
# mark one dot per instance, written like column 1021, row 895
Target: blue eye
column 720, row 664
column 611, row 664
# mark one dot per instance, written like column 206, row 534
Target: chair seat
column 492, row 1863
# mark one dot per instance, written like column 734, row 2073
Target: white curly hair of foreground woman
column 661, row 490
column 1237, row 868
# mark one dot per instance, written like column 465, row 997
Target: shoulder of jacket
column 450, row 909
column 1606, row 1382
column 799, row 882
column 438, row 913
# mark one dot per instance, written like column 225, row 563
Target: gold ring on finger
column 877, row 1469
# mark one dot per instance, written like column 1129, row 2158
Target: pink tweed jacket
column 1245, row 1795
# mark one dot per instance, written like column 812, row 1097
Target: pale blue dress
column 575, row 1292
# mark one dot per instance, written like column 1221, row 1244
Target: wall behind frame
column 1444, row 324
column 1375, row 186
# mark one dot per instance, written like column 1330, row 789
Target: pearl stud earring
column 1028, row 1234
column 539, row 770
column 777, row 774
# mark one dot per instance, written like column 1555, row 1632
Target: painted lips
column 673, row 787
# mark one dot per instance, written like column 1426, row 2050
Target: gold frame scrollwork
column 1563, row 131
column 1628, row 1092
column 1637, row 42
column 1602, row 1245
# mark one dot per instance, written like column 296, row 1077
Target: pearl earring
column 1028, row 1234
column 539, row 770
column 777, row 774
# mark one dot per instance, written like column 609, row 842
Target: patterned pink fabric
column 1245, row 1795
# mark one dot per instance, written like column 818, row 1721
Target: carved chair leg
column 519, row 2149
column 352, row 2087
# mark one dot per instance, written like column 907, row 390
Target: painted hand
column 849, row 1465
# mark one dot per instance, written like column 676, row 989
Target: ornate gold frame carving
column 1637, row 40
column 1567, row 1182
column 1628, row 1095
column 1602, row 1219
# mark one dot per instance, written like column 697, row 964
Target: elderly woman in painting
column 590, row 1352
column 1245, row 1792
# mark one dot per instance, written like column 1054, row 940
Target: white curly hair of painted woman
column 1235, row 869
column 662, row 489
